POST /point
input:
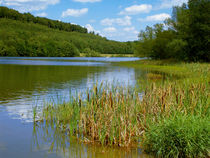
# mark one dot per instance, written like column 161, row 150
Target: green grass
column 171, row 67
column 181, row 136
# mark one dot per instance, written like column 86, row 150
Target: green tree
column 186, row 36
column 199, row 29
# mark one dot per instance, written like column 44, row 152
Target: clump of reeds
column 153, row 76
column 122, row 116
column 108, row 115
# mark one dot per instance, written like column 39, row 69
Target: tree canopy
column 27, row 17
column 185, row 36
column 26, row 35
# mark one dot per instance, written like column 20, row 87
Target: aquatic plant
column 164, row 118
column 120, row 116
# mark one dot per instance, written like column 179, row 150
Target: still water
column 29, row 82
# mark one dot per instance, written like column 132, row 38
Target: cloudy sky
column 115, row 19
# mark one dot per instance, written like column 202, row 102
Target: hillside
column 27, row 38
column 27, row 17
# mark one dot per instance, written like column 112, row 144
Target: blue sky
column 119, row 20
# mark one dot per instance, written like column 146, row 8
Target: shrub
column 90, row 53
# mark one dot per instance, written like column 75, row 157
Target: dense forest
column 26, row 35
column 27, row 17
column 185, row 36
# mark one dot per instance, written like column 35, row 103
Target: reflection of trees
column 60, row 143
column 17, row 80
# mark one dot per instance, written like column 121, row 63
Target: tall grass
column 121, row 116
column 179, row 136
column 167, row 119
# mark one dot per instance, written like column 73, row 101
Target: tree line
column 27, row 17
column 18, row 38
column 184, row 36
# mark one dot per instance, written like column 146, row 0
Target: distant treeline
column 29, row 39
column 26, row 35
column 27, row 17
column 185, row 36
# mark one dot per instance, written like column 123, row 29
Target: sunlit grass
column 120, row 116
column 194, row 71
column 179, row 136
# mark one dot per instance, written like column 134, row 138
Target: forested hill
column 26, row 35
column 27, row 17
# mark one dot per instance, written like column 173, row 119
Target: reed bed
column 124, row 117
column 165, row 117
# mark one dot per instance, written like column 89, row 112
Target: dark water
column 29, row 82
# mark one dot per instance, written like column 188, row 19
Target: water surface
column 29, row 82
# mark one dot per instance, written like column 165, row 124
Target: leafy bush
column 176, row 48
column 182, row 136
column 90, row 53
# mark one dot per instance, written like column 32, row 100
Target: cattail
column 110, row 98
column 88, row 97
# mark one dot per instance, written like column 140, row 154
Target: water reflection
column 57, row 141
column 82, row 60
column 22, row 87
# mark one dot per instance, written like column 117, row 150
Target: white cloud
column 87, row 1
column 43, row 14
column 121, row 35
column 91, row 29
column 157, row 17
column 110, row 29
column 128, row 29
column 131, row 30
column 107, row 22
column 136, row 9
column 171, row 3
column 74, row 12
column 126, row 21
column 29, row 5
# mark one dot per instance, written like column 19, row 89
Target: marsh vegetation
column 169, row 118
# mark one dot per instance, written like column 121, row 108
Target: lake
column 28, row 82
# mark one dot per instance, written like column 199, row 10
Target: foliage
column 185, row 37
column 27, row 17
column 176, row 48
column 18, row 38
column 90, row 53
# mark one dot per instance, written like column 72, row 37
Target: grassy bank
column 187, row 72
column 106, row 55
column 117, row 55
column 167, row 119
